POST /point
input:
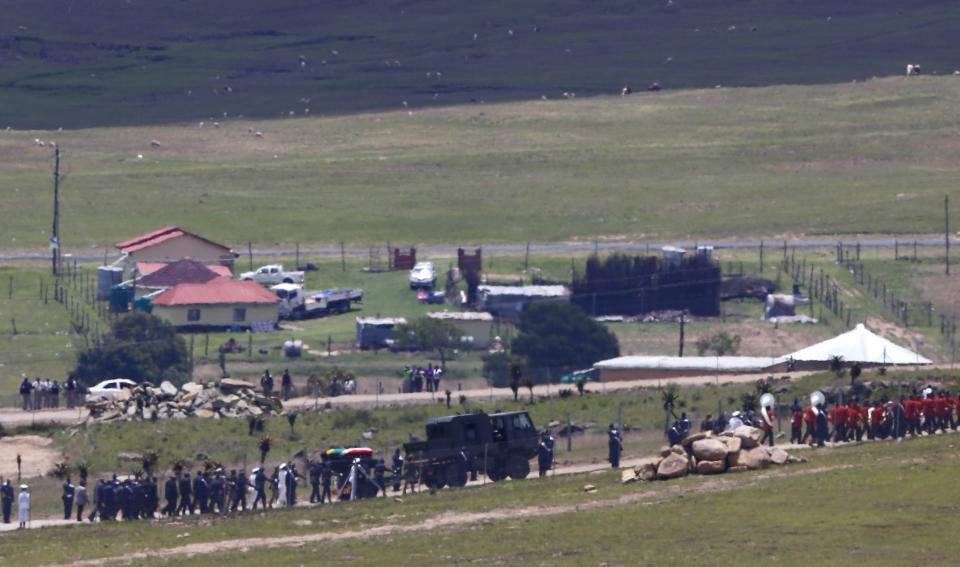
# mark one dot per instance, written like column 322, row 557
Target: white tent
column 859, row 346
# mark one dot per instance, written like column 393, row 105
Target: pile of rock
column 227, row 398
column 705, row 453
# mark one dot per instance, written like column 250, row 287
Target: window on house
column 193, row 315
column 239, row 315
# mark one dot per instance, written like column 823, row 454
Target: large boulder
column 778, row 456
column 691, row 439
column 673, row 466
column 753, row 459
column 168, row 389
column 192, row 388
column 733, row 444
column 711, row 467
column 230, row 385
column 647, row 471
column 749, row 436
column 628, row 476
column 709, row 450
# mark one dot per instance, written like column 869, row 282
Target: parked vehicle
column 423, row 274
column 295, row 303
column 108, row 389
column 272, row 274
column 498, row 445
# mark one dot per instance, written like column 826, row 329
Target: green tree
column 559, row 336
column 498, row 368
column 721, row 344
column 429, row 335
column 140, row 347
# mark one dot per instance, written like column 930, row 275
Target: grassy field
column 118, row 62
column 779, row 162
column 880, row 502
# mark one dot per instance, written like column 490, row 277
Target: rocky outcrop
column 229, row 398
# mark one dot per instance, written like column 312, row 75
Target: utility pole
column 683, row 322
column 946, row 230
column 55, row 233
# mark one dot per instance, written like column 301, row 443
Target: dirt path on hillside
column 38, row 457
column 454, row 519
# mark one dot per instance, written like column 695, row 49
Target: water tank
column 107, row 277
column 120, row 298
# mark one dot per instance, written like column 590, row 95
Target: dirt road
column 15, row 417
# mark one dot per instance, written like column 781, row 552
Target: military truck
column 499, row 445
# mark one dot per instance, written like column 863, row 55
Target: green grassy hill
column 77, row 64
column 772, row 162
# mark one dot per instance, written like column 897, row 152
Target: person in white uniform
column 23, row 508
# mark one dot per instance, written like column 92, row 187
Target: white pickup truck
column 295, row 303
column 272, row 274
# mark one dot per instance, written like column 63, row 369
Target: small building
column 509, row 301
column 672, row 257
column 476, row 326
column 377, row 332
column 221, row 303
column 656, row 367
column 171, row 244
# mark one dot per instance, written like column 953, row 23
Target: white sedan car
column 108, row 389
column 423, row 274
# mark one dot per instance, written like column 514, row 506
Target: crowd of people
column 418, row 379
column 209, row 491
column 925, row 411
column 45, row 393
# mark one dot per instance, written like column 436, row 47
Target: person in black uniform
column 171, row 493
column 614, row 446
column 109, row 500
column 6, row 500
column 325, row 474
column 215, row 487
column 240, row 492
column 67, row 498
column 200, row 492
column 292, row 485
column 260, row 486
column 544, row 457
column 821, row 425
column 153, row 499
column 379, row 476
column 397, row 469
column 286, row 384
column 26, row 388
column 314, row 481
column 184, row 487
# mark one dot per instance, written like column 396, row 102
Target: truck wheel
column 496, row 474
column 454, row 478
column 517, row 467
column 287, row 280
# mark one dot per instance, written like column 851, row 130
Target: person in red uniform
column 911, row 413
column 810, row 418
column 876, row 419
column 854, row 431
column 939, row 412
column 796, row 422
column 839, row 419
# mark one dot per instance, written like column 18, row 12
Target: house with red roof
column 220, row 303
column 162, row 276
column 171, row 244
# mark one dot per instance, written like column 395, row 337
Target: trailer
column 296, row 303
